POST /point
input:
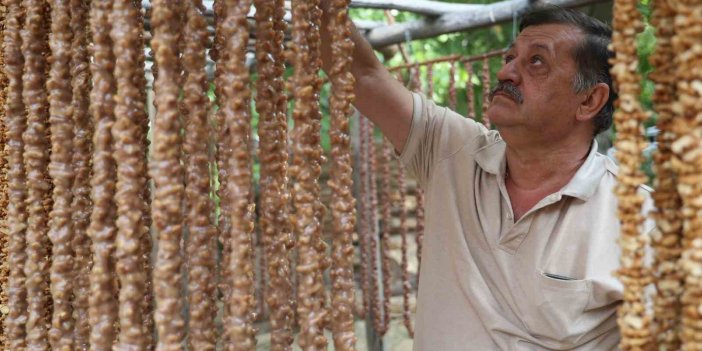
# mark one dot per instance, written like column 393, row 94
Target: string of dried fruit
column 470, row 90
column 36, row 159
column 181, row 8
column 129, row 151
column 340, row 181
column 260, row 279
column 452, row 99
column 419, row 227
column 666, row 238
column 687, row 162
column 61, row 172
column 313, row 41
column 146, row 246
column 419, row 192
column 240, row 306
column 16, row 121
column 633, row 321
column 280, row 26
column 376, row 303
column 486, row 90
column 102, row 302
column 430, row 81
column 364, row 222
column 218, row 12
column 385, row 158
column 276, row 229
column 4, row 267
column 48, row 199
column 223, row 152
column 406, row 284
column 268, row 154
column 82, row 149
column 306, row 170
column 200, row 248
column 167, row 173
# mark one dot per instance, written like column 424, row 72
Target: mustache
column 508, row 88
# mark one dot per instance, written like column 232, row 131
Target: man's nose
column 509, row 72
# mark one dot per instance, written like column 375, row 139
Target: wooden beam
column 423, row 7
column 483, row 16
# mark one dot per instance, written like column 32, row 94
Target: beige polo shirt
column 488, row 283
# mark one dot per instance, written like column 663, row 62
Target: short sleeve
column 436, row 133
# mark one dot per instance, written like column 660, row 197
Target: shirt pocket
column 556, row 310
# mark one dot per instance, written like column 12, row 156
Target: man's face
column 540, row 67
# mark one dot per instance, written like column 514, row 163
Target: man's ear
column 594, row 100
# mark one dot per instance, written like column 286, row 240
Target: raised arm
column 379, row 96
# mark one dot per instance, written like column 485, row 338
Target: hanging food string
column 82, row 148
column 666, row 237
column 201, row 255
column 167, row 173
column 687, row 163
column 486, row 90
column 4, row 249
column 376, row 302
column 452, row 99
column 36, row 161
column 470, row 90
column 306, row 170
column 240, row 303
column 61, row 172
column 430, row 81
column 103, row 304
column 385, row 158
column 129, row 151
column 276, row 230
column 406, row 284
column 17, row 211
column 224, row 152
column 146, row 246
column 314, row 42
column 364, row 227
column 340, row 179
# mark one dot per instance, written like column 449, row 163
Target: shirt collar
column 491, row 158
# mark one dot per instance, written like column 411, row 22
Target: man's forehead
column 547, row 36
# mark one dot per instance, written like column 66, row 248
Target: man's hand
column 379, row 96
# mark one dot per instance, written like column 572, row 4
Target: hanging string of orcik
column 666, row 239
column 78, row 269
column 674, row 321
column 4, row 263
column 686, row 162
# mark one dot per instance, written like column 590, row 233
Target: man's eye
column 509, row 58
column 536, row 60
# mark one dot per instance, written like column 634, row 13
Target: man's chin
column 502, row 119
column 499, row 114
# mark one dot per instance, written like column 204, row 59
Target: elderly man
column 521, row 222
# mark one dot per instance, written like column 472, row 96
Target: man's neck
column 536, row 167
column 536, row 172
